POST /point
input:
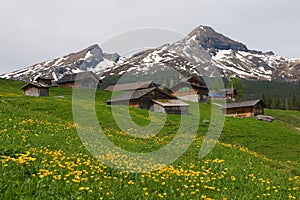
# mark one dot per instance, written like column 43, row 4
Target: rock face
column 210, row 40
column 265, row 118
column 201, row 52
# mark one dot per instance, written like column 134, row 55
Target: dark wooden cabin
column 36, row 89
column 244, row 108
column 191, row 89
column 79, row 80
column 152, row 99
column 131, row 86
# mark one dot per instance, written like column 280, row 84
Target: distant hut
column 152, row 99
column 79, row 80
column 131, row 86
column 191, row 89
column 224, row 94
column 36, row 89
column 244, row 108
column 170, row 106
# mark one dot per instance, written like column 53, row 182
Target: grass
column 42, row 156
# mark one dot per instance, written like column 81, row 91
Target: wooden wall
column 250, row 111
column 31, row 91
column 35, row 91
column 66, row 85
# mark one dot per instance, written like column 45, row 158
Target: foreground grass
column 42, row 156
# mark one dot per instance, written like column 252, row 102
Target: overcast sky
column 38, row 30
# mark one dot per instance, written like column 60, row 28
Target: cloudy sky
column 33, row 30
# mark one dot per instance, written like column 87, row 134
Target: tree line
column 290, row 102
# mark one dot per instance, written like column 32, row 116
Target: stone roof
column 170, row 102
column 130, row 86
column 39, row 85
column 72, row 77
column 136, row 94
column 44, row 78
column 242, row 104
column 192, row 78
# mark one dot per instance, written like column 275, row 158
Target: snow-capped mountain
column 200, row 52
column 88, row 59
column 234, row 59
column 204, row 50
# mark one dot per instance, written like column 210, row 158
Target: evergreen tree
column 276, row 103
column 238, row 85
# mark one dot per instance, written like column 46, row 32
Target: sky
column 33, row 31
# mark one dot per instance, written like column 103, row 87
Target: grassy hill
column 42, row 156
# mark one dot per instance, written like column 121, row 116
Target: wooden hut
column 191, row 89
column 170, row 106
column 152, row 99
column 36, row 89
column 79, row 80
column 244, row 108
column 224, row 94
column 131, row 86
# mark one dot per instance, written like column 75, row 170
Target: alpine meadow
column 42, row 156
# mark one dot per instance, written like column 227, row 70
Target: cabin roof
column 186, row 81
column 170, row 102
column 72, row 77
column 129, row 86
column 189, row 85
column 38, row 85
column 242, row 104
column 189, row 78
column 44, row 78
column 136, row 94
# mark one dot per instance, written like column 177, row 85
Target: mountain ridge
column 202, row 50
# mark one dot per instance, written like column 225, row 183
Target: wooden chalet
column 191, row 89
column 227, row 94
column 244, row 108
column 131, row 86
column 36, row 89
column 79, row 80
column 152, row 99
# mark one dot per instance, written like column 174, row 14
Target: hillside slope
column 42, row 156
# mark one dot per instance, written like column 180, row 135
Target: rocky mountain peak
column 210, row 40
column 198, row 53
column 87, row 59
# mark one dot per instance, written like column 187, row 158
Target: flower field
column 42, row 156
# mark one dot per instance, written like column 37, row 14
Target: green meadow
column 43, row 157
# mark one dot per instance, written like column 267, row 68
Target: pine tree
column 238, row 85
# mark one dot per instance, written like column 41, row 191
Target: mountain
column 88, row 59
column 235, row 59
column 201, row 52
